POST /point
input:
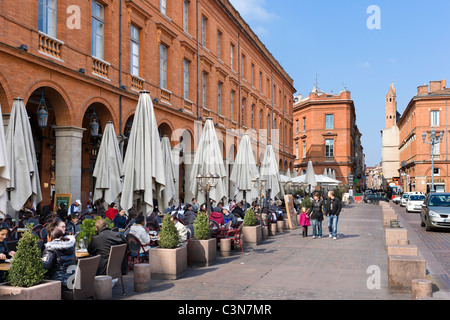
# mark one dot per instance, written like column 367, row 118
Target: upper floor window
column 219, row 45
column 434, row 118
column 219, row 98
column 329, row 148
column 163, row 66
column 186, row 16
column 47, row 17
column 134, row 50
column 204, row 89
column 204, row 21
column 329, row 121
column 163, row 7
column 186, row 78
column 232, row 56
column 98, row 30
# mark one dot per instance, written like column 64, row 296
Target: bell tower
column 391, row 107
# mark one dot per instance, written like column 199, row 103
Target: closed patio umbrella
column 244, row 170
column 208, row 160
column 270, row 172
column 310, row 176
column 169, row 190
column 25, row 182
column 108, row 169
column 143, row 165
column 5, row 176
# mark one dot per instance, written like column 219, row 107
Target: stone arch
column 5, row 95
column 165, row 128
column 63, row 106
column 103, row 109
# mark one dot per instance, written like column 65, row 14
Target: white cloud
column 253, row 10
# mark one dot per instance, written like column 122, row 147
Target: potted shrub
column 88, row 230
column 202, row 249
column 251, row 230
column 169, row 260
column 25, row 280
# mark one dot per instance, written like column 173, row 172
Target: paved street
column 433, row 246
column 288, row 266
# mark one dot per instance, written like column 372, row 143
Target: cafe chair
column 134, row 255
column 37, row 229
column 12, row 234
column 235, row 236
column 83, row 284
column 115, row 262
column 32, row 221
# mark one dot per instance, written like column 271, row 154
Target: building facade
column 390, row 141
column 427, row 110
column 89, row 60
column 326, row 133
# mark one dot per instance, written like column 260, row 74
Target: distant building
column 427, row 109
column 326, row 133
column 390, row 142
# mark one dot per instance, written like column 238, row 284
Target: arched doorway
column 44, row 138
column 98, row 113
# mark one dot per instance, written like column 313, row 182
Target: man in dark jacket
column 332, row 208
column 101, row 244
column 189, row 215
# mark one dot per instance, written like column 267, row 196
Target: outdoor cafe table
column 81, row 253
column 5, row 266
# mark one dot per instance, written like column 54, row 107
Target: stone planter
column 203, row 252
column 46, row 290
column 252, row 235
column 168, row 264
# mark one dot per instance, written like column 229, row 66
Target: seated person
column 139, row 231
column 4, row 252
column 189, row 215
column 227, row 216
column 238, row 211
column 101, row 244
column 182, row 230
column 217, row 216
column 120, row 220
column 70, row 225
column 58, row 256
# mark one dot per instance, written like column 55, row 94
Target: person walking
column 333, row 207
column 316, row 215
column 304, row 221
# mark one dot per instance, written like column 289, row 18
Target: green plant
column 88, row 230
column 168, row 236
column 339, row 192
column 201, row 226
column 250, row 218
column 306, row 202
column 26, row 268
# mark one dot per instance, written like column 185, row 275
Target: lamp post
column 206, row 183
column 433, row 141
column 260, row 184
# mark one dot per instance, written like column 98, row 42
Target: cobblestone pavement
column 433, row 246
column 289, row 267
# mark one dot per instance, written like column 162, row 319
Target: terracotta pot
column 252, row 235
column 202, row 252
column 46, row 290
column 168, row 264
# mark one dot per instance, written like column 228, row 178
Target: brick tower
column 391, row 107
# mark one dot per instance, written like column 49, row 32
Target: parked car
column 404, row 199
column 435, row 211
column 373, row 198
column 414, row 203
column 397, row 199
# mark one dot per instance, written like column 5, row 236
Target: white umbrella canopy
column 5, row 176
column 269, row 172
column 24, row 174
column 108, row 169
column 244, row 170
column 310, row 176
column 169, row 191
column 143, row 165
column 208, row 160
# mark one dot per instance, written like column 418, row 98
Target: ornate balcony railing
column 137, row 83
column 50, row 45
column 100, row 67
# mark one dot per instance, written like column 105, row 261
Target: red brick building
column 427, row 110
column 197, row 59
column 326, row 133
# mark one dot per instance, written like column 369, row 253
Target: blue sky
column 331, row 39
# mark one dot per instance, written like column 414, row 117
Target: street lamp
column 260, row 184
column 433, row 141
column 206, row 183
column 42, row 113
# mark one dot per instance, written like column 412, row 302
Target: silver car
column 435, row 211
